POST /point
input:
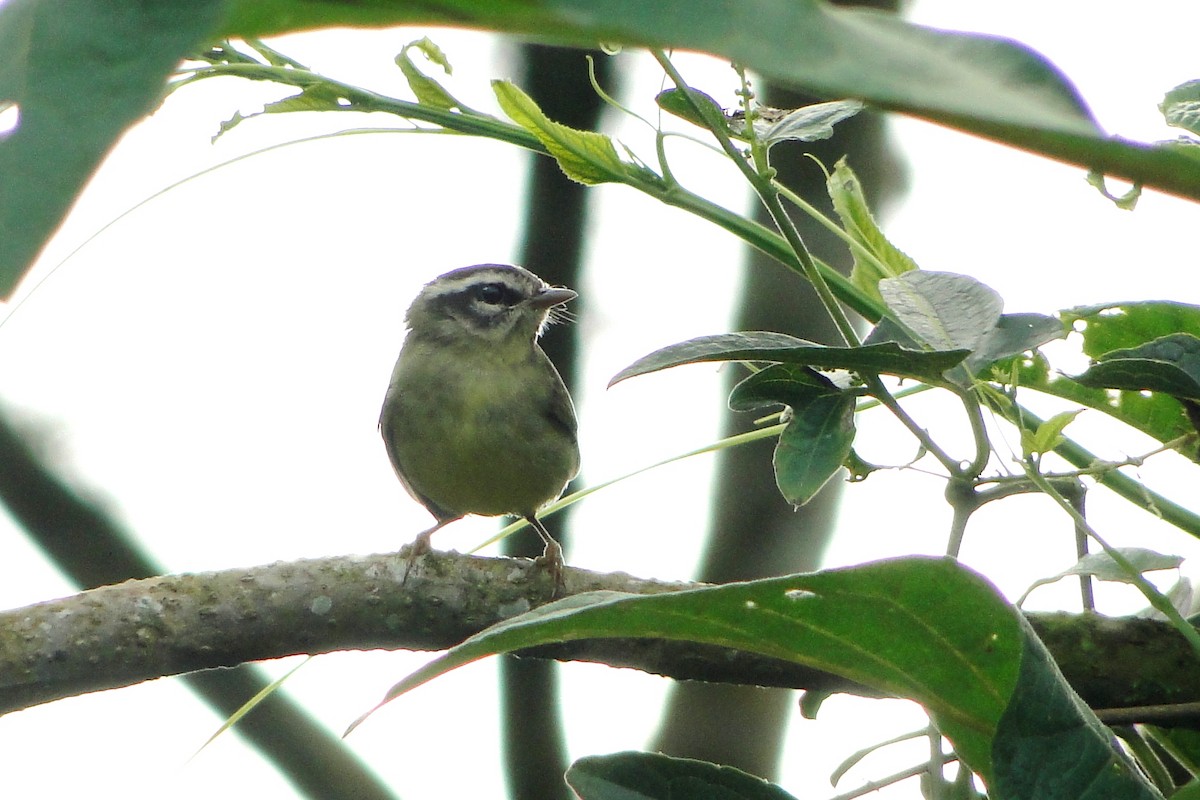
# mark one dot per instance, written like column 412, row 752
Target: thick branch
column 135, row 631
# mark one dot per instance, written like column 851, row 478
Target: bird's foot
column 419, row 547
column 551, row 560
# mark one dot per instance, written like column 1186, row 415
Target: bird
column 476, row 419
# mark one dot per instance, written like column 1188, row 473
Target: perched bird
column 476, row 419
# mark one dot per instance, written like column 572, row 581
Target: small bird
column 476, row 419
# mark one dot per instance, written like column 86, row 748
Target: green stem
column 762, row 183
column 1156, row 598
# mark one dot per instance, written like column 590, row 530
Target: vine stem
column 762, row 183
column 1156, row 598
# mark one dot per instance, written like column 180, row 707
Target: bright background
column 211, row 367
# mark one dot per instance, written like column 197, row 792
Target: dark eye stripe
column 495, row 294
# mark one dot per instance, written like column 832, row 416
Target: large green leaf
column 80, row 72
column 923, row 628
column 887, row 357
column 987, row 85
column 1050, row 746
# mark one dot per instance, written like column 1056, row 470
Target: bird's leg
column 552, row 556
column 421, row 545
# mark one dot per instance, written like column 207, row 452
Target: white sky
column 212, row 367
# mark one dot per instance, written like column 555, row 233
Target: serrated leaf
column 887, row 357
column 427, row 91
column 653, row 776
column 583, row 156
column 1181, row 107
column 318, row 96
column 945, row 310
column 845, row 191
column 1048, row 435
column 1169, row 364
column 814, row 445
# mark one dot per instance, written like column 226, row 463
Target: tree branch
column 143, row 629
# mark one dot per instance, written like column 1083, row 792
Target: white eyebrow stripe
column 443, row 287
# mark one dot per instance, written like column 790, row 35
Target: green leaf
column 80, row 72
column 427, row 91
column 887, row 357
column 653, row 776
column 102, row 63
column 1048, row 435
column 820, row 429
column 583, row 156
column 1050, row 746
column 1014, row 334
column 945, row 310
column 922, row 628
column 1181, row 107
column 676, row 103
column 1114, row 326
column 1169, row 364
column 851, row 206
column 1102, row 567
column 780, row 384
column 1126, row 202
column 814, row 445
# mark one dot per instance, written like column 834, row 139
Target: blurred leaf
column 583, row 156
column 1048, row 435
column 83, row 70
column 845, row 191
column 946, row 310
column 653, row 776
column 926, row 629
column 1126, row 202
column 1181, row 107
column 1190, row 791
column 80, row 72
column 1170, row 364
column 887, row 357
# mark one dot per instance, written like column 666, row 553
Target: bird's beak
column 554, row 296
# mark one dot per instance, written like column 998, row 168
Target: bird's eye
column 491, row 293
